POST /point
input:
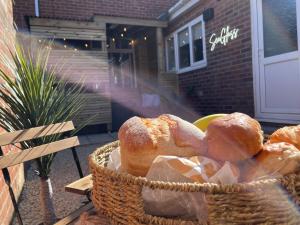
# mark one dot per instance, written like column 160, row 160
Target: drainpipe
column 36, row 7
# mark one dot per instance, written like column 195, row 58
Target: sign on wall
column 226, row 35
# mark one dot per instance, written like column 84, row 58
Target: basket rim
column 208, row 188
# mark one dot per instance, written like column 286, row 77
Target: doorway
column 276, row 60
column 124, row 93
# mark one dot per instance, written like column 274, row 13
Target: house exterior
column 205, row 56
column 250, row 59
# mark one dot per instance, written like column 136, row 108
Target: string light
column 125, row 29
column 107, row 46
column 64, row 39
column 86, row 45
column 65, row 46
column 113, row 39
column 40, row 40
column 75, row 49
column 122, row 35
column 145, row 38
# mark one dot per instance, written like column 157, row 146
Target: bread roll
column 287, row 134
column 234, row 137
column 275, row 159
column 142, row 140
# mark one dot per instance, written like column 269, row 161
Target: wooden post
column 160, row 50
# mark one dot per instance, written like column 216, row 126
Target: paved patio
column 63, row 172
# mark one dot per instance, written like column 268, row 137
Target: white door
column 277, row 60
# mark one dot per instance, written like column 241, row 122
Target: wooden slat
column 75, row 215
column 32, row 133
column 131, row 21
column 36, row 152
column 93, row 68
column 82, row 186
column 65, row 23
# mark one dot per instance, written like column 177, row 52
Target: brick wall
column 226, row 84
column 84, row 10
column 7, row 35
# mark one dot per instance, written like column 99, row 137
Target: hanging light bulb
column 40, row 40
column 86, row 45
column 75, row 49
column 125, row 29
column 64, row 39
column 65, row 46
column 113, row 39
column 145, row 38
column 122, row 35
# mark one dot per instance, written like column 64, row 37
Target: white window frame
column 194, row 65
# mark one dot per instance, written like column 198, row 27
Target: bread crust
column 275, row 159
column 234, row 137
column 142, row 140
column 290, row 134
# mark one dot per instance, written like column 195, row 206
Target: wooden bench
column 82, row 186
column 14, row 158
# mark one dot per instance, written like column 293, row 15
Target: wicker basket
column 118, row 196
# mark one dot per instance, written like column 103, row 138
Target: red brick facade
column 84, row 10
column 226, row 84
column 7, row 35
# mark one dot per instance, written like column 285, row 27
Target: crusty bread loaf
column 142, row 140
column 234, row 137
column 275, row 159
column 287, row 134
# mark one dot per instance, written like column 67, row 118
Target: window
column 170, row 54
column 185, row 48
column 281, row 36
column 197, row 42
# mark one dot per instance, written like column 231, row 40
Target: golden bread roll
column 234, row 137
column 287, row 134
column 275, row 159
column 142, row 140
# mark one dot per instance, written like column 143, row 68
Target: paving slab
column 63, row 172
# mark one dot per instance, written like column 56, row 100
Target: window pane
column 280, row 26
column 171, row 53
column 184, row 48
column 197, row 42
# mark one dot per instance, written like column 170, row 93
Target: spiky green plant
column 32, row 95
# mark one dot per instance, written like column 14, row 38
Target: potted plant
column 34, row 96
